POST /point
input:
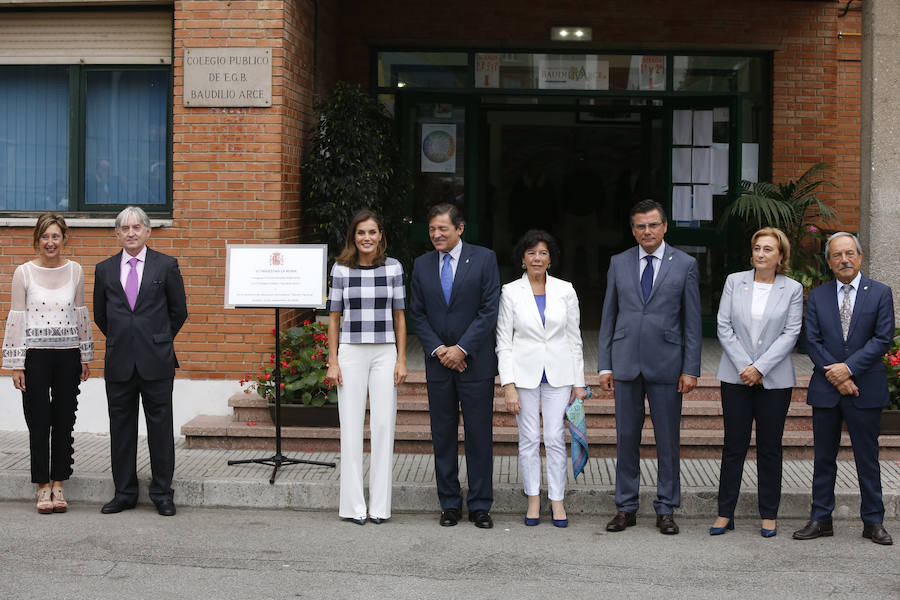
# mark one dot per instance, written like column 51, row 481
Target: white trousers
column 551, row 402
column 367, row 368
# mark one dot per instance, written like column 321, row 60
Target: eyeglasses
column 645, row 226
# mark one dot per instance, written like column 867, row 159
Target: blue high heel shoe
column 721, row 530
column 767, row 533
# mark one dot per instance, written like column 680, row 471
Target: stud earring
column 523, row 265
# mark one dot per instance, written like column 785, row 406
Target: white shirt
column 454, row 258
column 854, row 285
column 125, row 268
column 659, row 254
column 761, row 292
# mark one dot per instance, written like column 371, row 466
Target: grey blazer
column 771, row 353
column 659, row 340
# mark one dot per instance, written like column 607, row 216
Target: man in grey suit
column 649, row 345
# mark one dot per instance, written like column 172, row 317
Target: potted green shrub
column 352, row 161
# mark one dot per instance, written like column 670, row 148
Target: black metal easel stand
column 278, row 459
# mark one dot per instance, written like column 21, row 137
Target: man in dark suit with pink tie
column 849, row 327
column 139, row 305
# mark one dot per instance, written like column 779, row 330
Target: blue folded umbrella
column 578, row 429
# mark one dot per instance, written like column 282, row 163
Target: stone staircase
column 250, row 427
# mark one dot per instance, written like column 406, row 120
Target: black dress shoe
column 877, row 533
column 116, row 506
column 166, row 508
column 621, row 521
column 481, row 518
column 813, row 530
column 666, row 524
column 450, row 517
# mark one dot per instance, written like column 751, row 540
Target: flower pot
column 301, row 415
column 890, row 422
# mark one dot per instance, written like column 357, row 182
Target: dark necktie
column 647, row 278
column 447, row 278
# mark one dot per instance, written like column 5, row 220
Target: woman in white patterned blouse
column 48, row 345
column 367, row 359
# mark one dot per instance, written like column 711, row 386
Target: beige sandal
column 59, row 501
column 44, row 501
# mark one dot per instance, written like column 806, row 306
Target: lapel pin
column 865, row 287
column 467, row 261
column 671, row 257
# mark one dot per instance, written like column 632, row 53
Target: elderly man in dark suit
column 454, row 300
column 849, row 327
column 650, row 340
column 139, row 305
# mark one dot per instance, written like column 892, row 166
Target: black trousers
column 476, row 400
column 49, row 402
column 156, row 397
column 741, row 406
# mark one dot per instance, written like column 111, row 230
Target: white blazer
column 527, row 348
column 771, row 353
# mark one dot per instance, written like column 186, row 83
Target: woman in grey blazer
column 758, row 323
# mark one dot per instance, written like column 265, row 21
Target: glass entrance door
column 438, row 140
column 574, row 171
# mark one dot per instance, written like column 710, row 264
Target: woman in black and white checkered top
column 368, row 358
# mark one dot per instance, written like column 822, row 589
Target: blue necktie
column 647, row 278
column 447, row 278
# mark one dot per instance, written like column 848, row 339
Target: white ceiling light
column 571, row 34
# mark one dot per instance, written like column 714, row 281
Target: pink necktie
column 131, row 283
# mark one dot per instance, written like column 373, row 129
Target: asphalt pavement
column 221, row 553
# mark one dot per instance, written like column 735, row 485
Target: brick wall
column 815, row 95
column 235, row 178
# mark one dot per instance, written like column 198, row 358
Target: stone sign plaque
column 227, row 77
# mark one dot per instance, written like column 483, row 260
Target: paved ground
column 225, row 554
column 203, row 478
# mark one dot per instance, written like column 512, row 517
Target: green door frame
column 404, row 102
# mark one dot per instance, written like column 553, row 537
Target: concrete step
column 250, row 426
column 221, row 432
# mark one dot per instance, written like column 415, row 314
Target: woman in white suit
column 541, row 367
column 758, row 323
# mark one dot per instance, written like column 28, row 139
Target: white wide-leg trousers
column 552, row 402
column 367, row 368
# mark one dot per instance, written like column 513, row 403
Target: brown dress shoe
column 877, row 533
column 813, row 530
column 621, row 521
column 666, row 524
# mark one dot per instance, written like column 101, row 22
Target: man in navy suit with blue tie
column 454, row 299
column 650, row 336
column 849, row 327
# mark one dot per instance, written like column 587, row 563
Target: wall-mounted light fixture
column 571, row 34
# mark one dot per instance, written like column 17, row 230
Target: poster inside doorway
column 438, row 148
